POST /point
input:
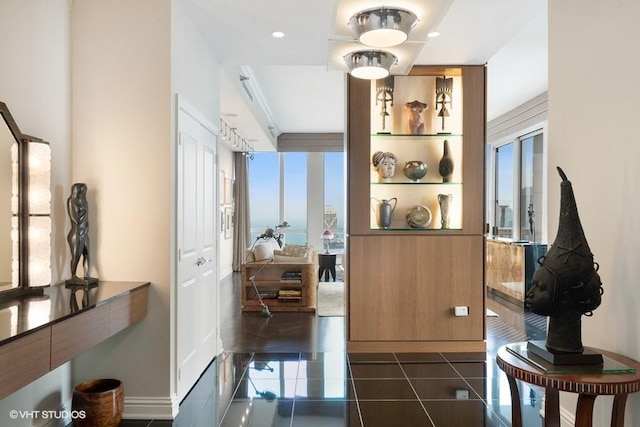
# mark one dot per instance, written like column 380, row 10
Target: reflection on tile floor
column 333, row 388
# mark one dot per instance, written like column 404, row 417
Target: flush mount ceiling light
column 383, row 26
column 370, row 64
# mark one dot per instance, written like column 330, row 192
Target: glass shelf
column 417, row 229
column 416, row 183
column 413, row 135
column 609, row 366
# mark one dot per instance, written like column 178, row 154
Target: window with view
column 517, row 187
column 305, row 189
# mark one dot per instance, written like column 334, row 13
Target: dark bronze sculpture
column 78, row 237
column 566, row 285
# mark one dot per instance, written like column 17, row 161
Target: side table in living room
column 327, row 265
column 588, row 386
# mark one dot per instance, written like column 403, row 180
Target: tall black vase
column 445, row 168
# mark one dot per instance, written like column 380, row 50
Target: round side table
column 588, row 386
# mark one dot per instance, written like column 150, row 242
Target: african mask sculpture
column 566, row 285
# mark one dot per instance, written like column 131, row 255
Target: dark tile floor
column 292, row 370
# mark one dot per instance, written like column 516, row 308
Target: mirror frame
column 22, row 289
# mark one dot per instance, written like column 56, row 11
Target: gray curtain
column 241, row 230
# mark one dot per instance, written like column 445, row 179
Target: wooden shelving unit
column 283, row 286
column 404, row 281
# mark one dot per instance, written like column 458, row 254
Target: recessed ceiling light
column 278, row 34
column 433, row 34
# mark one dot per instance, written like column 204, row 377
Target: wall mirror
column 25, row 211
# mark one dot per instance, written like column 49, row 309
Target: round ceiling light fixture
column 383, row 26
column 370, row 64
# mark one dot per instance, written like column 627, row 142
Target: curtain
column 241, row 231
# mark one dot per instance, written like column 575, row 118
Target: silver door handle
column 201, row 261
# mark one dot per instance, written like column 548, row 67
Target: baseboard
column 150, row 408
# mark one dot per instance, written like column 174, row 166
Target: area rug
column 330, row 299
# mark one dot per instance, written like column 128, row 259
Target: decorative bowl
column 415, row 169
column 418, row 216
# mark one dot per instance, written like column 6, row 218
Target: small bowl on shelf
column 415, row 170
column 418, row 216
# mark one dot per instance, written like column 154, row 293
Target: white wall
column 129, row 68
column 35, row 85
column 122, row 142
column 593, row 111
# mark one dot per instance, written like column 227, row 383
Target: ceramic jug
column 384, row 210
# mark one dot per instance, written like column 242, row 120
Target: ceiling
column 295, row 84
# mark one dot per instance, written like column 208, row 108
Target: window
column 334, row 186
column 305, row 189
column 516, row 187
column 503, row 221
column 531, row 187
column 264, row 192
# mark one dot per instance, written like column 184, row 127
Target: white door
column 197, row 284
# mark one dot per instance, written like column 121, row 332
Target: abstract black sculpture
column 566, row 286
column 78, row 237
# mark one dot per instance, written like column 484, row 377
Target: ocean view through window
column 305, row 189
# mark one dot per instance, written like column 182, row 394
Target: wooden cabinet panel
column 79, row 333
column 404, row 288
column 127, row 310
column 509, row 267
column 59, row 339
column 24, row 360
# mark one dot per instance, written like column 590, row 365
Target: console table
column 587, row 386
column 46, row 331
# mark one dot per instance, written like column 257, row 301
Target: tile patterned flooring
column 291, row 370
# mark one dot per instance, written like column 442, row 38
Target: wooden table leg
column 617, row 413
column 551, row 407
column 584, row 410
column 516, row 412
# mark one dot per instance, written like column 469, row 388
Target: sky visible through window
column 264, row 175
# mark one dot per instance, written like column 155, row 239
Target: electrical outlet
column 461, row 310
column 462, row 393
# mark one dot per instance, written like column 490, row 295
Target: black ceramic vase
column 445, row 167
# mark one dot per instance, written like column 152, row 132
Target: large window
column 264, row 192
column 504, row 206
column 516, row 187
column 531, row 187
column 294, row 199
column 334, row 199
column 305, row 189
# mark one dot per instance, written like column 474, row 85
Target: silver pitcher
column 384, row 211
